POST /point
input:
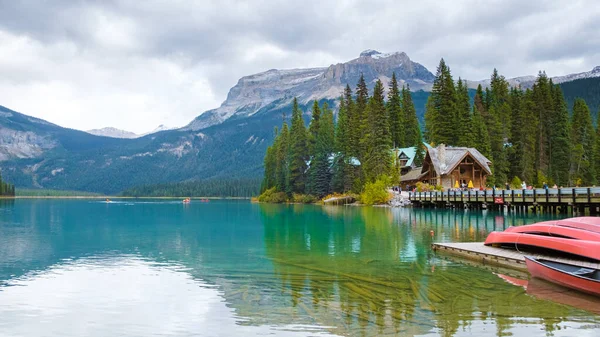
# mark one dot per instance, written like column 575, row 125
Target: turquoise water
column 233, row 268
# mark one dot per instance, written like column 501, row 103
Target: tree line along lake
column 224, row 268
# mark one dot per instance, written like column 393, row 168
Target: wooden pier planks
column 503, row 257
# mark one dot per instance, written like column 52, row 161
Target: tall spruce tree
column 543, row 104
column 313, row 127
column 463, row 115
column 440, row 114
column 377, row 140
column 341, row 181
column 481, row 137
column 362, row 98
column 597, row 153
column 298, row 152
column 498, row 124
column 281, row 149
column 412, row 135
column 583, row 137
column 270, row 164
column 353, row 145
column 524, row 137
column 395, row 114
column 560, row 142
column 412, row 129
column 320, row 168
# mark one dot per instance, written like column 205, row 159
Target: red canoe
column 554, row 229
column 591, row 220
column 584, row 248
column 588, row 223
column 568, row 275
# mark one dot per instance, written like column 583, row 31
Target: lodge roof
column 414, row 174
column 446, row 158
column 410, row 153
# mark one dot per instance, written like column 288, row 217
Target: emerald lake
column 234, row 268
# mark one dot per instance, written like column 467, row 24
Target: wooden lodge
column 450, row 167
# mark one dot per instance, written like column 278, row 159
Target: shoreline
column 115, row 197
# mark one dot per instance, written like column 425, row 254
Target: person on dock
column 523, row 185
column 545, row 186
column 506, row 186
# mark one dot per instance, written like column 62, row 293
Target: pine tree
column 498, row 124
column 362, row 98
column 525, row 137
column 412, row 135
column 320, row 169
column 543, row 104
column 281, row 149
column 419, row 154
column 481, row 137
column 463, row 118
column 440, row 115
column 270, row 165
column 377, row 139
column 313, row 127
column 395, row 114
column 298, row 152
column 597, row 153
column 560, row 143
column 341, row 140
column 353, row 124
column 583, row 138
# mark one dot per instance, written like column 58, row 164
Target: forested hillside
column 588, row 89
column 527, row 134
column 225, row 187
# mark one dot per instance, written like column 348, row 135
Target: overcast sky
column 135, row 64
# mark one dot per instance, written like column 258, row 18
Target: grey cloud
column 217, row 36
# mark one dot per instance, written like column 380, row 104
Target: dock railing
column 575, row 195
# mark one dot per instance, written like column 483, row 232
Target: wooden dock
column 503, row 257
column 551, row 200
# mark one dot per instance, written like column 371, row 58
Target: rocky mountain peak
column 596, row 70
column 254, row 92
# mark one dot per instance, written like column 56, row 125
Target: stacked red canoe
column 576, row 236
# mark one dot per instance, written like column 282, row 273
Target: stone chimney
column 442, row 157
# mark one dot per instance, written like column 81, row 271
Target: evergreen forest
column 230, row 187
column 529, row 135
column 343, row 157
column 6, row 189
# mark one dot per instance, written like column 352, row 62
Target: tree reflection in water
column 370, row 271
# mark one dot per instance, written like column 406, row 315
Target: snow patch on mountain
column 118, row 133
column 112, row 132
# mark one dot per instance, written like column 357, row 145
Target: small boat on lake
column 568, row 275
column 524, row 241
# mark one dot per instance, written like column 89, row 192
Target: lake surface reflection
column 225, row 268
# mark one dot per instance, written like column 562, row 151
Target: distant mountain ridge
column 528, row 81
column 112, row 132
column 118, row 133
